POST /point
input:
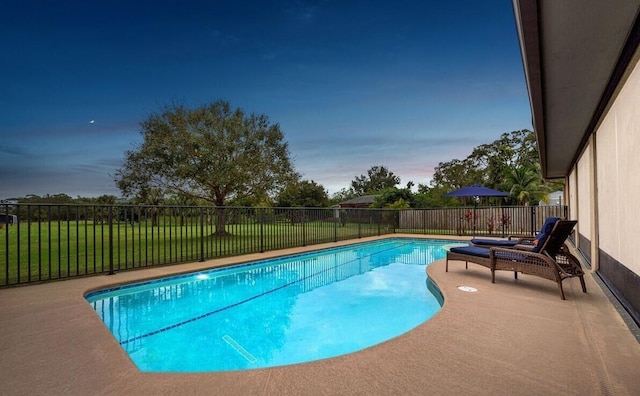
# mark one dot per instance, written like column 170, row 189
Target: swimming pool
column 275, row 312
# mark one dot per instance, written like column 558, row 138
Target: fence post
column 111, row 272
column 335, row 225
column 424, row 221
column 396, row 220
column 261, row 218
column 533, row 220
column 201, row 234
column 304, row 227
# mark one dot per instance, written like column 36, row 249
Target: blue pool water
column 275, row 312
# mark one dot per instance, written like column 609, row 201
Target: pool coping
column 510, row 337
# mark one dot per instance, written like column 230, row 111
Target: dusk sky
column 353, row 84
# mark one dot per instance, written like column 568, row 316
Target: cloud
column 60, row 165
column 305, row 13
column 13, row 150
column 223, row 39
column 87, row 180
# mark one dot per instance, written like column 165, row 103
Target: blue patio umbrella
column 476, row 191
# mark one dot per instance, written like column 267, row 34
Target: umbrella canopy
column 476, row 191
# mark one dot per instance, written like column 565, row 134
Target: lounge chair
column 511, row 242
column 550, row 259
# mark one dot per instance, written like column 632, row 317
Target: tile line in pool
column 205, row 315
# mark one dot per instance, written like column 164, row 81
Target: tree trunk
column 220, row 222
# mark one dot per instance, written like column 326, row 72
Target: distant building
column 359, row 202
column 555, row 198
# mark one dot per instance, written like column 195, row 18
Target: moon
column 92, row 121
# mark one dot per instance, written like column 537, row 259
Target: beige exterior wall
column 584, row 192
column 572, row 188
column 618, row 175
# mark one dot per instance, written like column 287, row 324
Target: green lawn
column 31, row 252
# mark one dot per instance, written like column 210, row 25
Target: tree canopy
column 377, row 179
column 526, row 185
column 397, row 198
column 489, row 164
column 509, row 164
column 212, row 153
column 306, row 193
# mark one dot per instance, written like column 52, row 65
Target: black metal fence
column 43, row 242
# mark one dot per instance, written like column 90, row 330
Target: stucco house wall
column 604, row 193
column 584, row 191
column 618, row 176
column 583, row 78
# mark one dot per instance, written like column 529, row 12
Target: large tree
column 454, row 174
column 377, row 179
column 489, row 164
column 344, row 194
column 433, row 197
column 212, row 153
column 306, row 193
column 395, row 198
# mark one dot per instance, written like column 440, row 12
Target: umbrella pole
column 475, row 207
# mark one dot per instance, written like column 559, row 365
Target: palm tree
column 527, row 185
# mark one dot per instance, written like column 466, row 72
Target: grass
column 32, row 252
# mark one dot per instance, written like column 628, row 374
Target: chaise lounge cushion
column 542, row 236
column 471, row 251
column 494, row 242
column 485, row 252
column 539, row 239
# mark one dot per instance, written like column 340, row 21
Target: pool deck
column 514, row 337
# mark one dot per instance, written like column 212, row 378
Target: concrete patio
column 514, row 337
